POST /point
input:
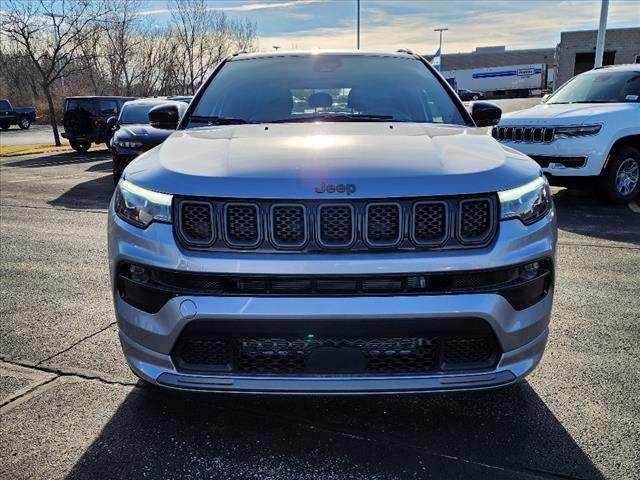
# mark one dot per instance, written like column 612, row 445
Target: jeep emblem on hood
column 347, row 188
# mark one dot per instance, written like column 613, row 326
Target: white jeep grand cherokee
column 589, row 130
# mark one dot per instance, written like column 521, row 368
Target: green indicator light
column 310, row 336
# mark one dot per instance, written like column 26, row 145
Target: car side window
column 4, row 105
column 108, row 107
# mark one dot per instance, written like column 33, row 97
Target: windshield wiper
column 336, row 117
column 213, row 120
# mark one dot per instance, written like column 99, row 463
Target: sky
column 393, row 24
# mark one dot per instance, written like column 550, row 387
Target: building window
column 637, row 58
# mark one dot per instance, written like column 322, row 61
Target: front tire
column 79, row 146
column 5, row 127
column 475, row 97
column 24, row 123
column 620, row 183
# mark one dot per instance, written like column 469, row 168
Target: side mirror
column 485, row 114
column 165, row 116
column 112, row 122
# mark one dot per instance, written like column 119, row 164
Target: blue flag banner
column 435, row 61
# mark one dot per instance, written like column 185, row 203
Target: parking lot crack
column 74, row 373
column 75, row 344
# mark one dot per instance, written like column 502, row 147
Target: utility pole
column 358, row 27
column 440, row 30
column 602, row 31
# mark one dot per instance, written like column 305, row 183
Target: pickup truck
column 21, row 116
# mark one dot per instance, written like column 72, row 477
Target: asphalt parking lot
column 71, row 408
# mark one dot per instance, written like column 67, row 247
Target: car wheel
column 620, row 183
column 79, row 146
column 24, row 123
column 475, row 97
column 5, row 127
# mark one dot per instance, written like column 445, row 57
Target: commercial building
column 576, row 51
column 574, row 54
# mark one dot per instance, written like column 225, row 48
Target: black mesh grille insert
column 475, row 220
column 336, row 225
column 468, row 350
column 376, row 355
column 430, row 223
column 319, row 355
column 207, row 354
column 383, row 224
column 288, row 225
column 197, row 222
column 242, row 224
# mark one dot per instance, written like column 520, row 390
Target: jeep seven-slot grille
column 319, row 355
column 524, row 134
column 356, row 225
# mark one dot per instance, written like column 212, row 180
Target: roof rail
column 405, row 50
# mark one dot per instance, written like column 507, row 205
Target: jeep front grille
column 355, row 225
column 524, row 134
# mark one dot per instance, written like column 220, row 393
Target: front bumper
column 148, row 339
column 591, row 149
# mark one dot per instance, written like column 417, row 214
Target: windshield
column 325, row 88
column 600, row 86
column 132, row 114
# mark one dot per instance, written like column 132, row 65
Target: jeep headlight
column 139, row 206
column 529, row 203
column 131, row 145
column 576, row 131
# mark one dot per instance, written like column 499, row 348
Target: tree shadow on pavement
column 92, row 194
column 59, row 159
column 501, row 434
column 582, row 213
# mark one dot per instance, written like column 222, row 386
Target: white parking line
column 635, row 208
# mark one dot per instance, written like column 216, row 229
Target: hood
column 295, row 160
column 563, row 114
column 141, row 133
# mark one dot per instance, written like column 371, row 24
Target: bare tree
column 204, row 37
column 51, row 33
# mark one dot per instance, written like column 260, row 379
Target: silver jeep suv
column 331, row 222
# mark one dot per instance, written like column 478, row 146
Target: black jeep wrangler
column 85, row 120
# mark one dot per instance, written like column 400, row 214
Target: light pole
column 440, row 30
column 358, row 25
column 602, row 30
